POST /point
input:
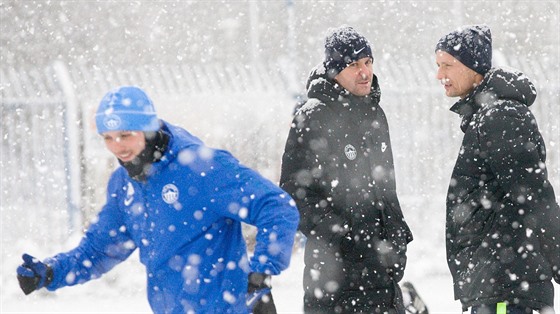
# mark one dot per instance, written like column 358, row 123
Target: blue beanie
column 344, row 45
column 471, row 45
column 126, row 108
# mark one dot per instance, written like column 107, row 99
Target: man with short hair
column 181, row 204
column 503, row 221
column 338, row 166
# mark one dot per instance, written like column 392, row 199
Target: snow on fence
column 243, row 108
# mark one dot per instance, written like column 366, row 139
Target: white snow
column 40, row 31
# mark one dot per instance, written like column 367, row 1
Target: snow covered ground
column 122, row 290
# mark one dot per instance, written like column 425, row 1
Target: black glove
column 33, row 274
column 259, row 297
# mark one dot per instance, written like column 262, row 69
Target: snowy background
column 231, row 72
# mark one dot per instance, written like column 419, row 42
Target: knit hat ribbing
column 471, row 45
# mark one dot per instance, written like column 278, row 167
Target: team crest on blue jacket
column 170, row 193
column 350, row 152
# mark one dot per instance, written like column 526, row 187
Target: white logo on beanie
column 112, row 122
column 350, row 152
column 358, row 51
column 170, row 193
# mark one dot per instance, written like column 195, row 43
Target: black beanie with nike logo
column 344, row 45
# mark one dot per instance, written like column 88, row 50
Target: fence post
column 72, row 151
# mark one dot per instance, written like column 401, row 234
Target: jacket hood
column 498, row 84
column 321, row 87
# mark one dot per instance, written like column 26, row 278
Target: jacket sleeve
column 517, row 156
column 105, row 244
column 242, row 194
column 302, row 177
column 276, row 217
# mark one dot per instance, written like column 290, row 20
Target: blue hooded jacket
column 186, row 221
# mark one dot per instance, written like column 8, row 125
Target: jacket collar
column 321, row 87
column 498, row 83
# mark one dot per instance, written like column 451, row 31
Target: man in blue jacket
column 182, row 204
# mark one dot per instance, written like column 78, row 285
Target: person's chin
column 364, row 90
column 449, row 92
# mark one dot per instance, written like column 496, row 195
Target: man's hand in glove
column 33, row 274
column 259, row 297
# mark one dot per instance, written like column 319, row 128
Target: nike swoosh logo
column 128, row 201
column 252, row 300
column 357, row 52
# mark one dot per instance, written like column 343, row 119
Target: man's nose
column 439, row 75
column 363, row 70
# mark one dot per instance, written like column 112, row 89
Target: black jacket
column 503, row 225
column 338, row 166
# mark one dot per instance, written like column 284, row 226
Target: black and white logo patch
column 350, row 152
column 170, row 193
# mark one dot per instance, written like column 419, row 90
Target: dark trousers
column 493, row 309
